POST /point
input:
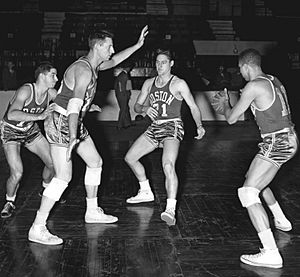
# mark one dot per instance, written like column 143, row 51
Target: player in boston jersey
column 19, row 127
column 65, row 132
column 166, row 93
column 268, row 100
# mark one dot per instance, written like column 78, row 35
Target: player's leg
column 260, row 174
column 13, row 157
column 41, row 148
column 52, row 193
column 92, row 179
column 280, row 220
column 141, row 147
column 169, row 157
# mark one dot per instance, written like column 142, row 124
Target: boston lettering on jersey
column 162, row 96
column 33, row 110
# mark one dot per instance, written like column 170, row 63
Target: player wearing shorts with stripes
column 165, row 93
column 66, row 132
column 19, row 127
column 268, row 100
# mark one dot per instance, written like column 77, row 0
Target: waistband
column 284, row 130
column 160, row 121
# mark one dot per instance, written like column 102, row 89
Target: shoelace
column 100, row 210
column 46, row 234
column 9, row 204
column 170, row 211
column 262, row 251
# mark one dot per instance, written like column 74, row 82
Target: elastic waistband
column 160, row 121
column 284, row 130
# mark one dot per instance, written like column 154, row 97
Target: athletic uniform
column 168, row 123
column 280, row 140
column 56, row 125
column 24, row 131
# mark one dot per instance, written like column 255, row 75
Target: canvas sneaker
column 40, row 234
column 142, row 196
column 98, row 216
column 8, row 209
column 169, row 216
column 266, row 258
column 283, row 225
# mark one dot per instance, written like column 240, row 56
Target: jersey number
column 164, row 109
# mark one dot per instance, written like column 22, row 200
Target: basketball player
column 166, row 93
column 66, row 132
column 268, row 100
column 18, row 127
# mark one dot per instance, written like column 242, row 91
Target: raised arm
column 123, row 55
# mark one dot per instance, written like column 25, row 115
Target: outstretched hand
column 143, row 34
column 152, row 113
column 218, row 101
column 71, row 146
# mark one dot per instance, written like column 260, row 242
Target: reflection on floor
column 212, row 228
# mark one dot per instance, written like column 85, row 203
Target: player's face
column 106, row 49
column 51, row 78
column 163, row 64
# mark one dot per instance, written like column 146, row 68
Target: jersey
column 65, row 93
column 277, row 116
column 31, row 106
column 167, row 105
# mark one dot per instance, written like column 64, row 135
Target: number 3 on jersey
column 163, row 107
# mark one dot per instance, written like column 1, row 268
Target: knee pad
column 248, row 196
column 92, row 176
column 55, row 189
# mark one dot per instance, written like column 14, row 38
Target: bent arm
column 232, row 114
column 139, row 106
column 15, row 111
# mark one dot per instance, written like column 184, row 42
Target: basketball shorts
column 279, row 147
column 159, row 131
column 57, row 129
column 12, row 134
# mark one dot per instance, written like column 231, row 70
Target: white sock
column 144, row 185
column 267, row 239
column 41, row 218
column 277, row 211
column 171, row 204
column 11, row 198
column 44, row 184
column 92, row 203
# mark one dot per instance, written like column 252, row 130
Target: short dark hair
column 95, row 37
column 250, row 56
column 166, row 52
column 43, row 67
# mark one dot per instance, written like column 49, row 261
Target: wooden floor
column 212, row 229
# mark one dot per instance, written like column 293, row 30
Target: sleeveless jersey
column 31, row 106
column 65, row 93
column 167, row 105
column 277, row 116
